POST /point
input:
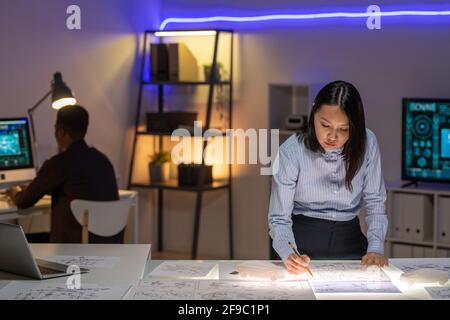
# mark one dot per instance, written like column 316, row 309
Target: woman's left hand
column 373, row 258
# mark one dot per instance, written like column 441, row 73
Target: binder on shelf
column 428, row 252
column 159, row 58
column 442, row 253
column 418, row 252
column 402, row 251
column 182, row 63
column 443, row 229
column 421, row 218
column 414, row 217
column 398, row 212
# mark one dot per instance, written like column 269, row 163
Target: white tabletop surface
column 130, row 268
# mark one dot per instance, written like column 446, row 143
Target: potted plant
column 218, row 72
column 159, row 166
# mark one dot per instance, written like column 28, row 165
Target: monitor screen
column 15, row 144
column 426, row 140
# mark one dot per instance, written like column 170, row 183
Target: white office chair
column 102, row 218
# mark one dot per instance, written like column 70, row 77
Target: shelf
column 168, row 134
column 413, row 242
column 173, row 185
column 443, row 245
column 185, row 83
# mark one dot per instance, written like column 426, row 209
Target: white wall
column 408, row 57
column 99, row 62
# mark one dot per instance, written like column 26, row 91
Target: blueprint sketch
column 346, row 271
column 254, row 290
column 407, row 265
column 229, row 271
column 88, row 262
column 163, row 289
column 168, row 289
column 439, row 293
column 183, row 269
column 354, row 287
column 21, row 290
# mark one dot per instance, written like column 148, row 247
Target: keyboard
column 48, row 271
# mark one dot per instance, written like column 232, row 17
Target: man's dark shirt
column 80, row 172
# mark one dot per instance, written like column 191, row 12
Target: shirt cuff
column 377, row 247
column 284, row 253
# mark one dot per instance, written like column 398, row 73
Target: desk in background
column 43, row 206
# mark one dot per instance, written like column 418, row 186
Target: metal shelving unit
column 172, row 185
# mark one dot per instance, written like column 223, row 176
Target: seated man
column 77, row 172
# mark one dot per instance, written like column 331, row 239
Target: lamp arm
column 31, row 110
column 30, row 114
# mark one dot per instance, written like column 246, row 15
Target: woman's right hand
column 297, row 264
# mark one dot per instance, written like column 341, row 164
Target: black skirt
column 329, row 240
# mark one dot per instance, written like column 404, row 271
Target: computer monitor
column 426, row 140
column 16, row 153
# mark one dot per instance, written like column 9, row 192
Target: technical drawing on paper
column 407, row 265
column 354, row 287
column 439, row 293
column 229, row 270
column 17, row 290
column 346, row 271
column 163, row 289
column 254, row 290
column 88, row 262
column 167, row 289
column 183, row 269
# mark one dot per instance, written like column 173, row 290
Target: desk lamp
column 61, row 96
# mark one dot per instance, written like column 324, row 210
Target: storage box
column 167, row 122
column 188, row 174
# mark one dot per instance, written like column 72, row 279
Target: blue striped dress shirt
column 313, row 184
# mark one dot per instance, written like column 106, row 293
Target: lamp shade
column 61, row 94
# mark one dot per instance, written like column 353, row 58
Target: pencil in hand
column 298, row 255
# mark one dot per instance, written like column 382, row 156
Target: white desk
column 130, row 268
column 43, row 206
column 407, row 292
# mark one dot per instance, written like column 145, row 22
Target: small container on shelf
column 188, row 174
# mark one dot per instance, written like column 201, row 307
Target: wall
column 408, row 57
column 99, row 62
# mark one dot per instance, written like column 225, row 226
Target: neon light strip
column 304, row 16
column 185, row 33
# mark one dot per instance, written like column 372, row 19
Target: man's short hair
column 74, row 120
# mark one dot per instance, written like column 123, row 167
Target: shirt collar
column 333, row 154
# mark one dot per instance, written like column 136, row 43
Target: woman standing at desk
column 325, row 171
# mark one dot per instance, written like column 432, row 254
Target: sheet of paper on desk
column 346, row 271
column 25, row 290
column 229, row 271
column 163, row 289
column 88, row 262
column 170, row 289
column 183, row 269
column 439, row 293
column 254, row 290
column 354, row 287
column 407, row 265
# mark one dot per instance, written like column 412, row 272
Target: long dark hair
column 344, row 95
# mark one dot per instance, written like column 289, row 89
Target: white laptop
column 16, row 256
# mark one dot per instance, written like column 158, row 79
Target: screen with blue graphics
column 426, row 140
column 15, row 145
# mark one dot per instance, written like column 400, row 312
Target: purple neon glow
column 305, row 16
